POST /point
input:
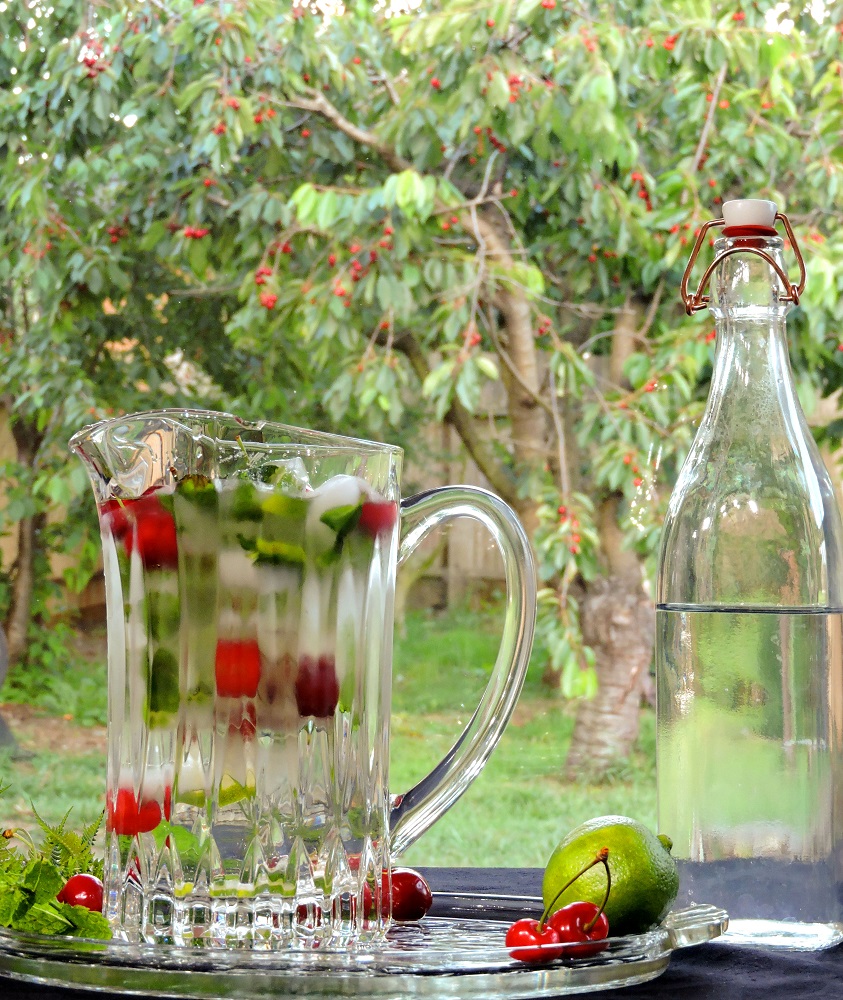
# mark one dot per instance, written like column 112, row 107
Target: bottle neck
column 751, row 357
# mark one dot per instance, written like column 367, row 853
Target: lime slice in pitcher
column 232, row 791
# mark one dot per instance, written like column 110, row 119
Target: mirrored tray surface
column 459, row 953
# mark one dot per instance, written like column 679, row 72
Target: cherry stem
column 589, row 927
column 601, row 858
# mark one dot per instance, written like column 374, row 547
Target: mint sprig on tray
column 30, row 880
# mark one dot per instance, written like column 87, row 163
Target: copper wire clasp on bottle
column 696, row 301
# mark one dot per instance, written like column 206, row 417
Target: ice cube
column 288, row 474
column 237, row 571
column 339, row 491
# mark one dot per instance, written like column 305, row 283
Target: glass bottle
column 749, row 634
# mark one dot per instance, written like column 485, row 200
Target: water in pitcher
column 750, row 737
column 246, row 796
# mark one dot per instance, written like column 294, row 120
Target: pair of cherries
column 577, row 930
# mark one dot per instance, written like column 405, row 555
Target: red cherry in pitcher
column 237, row 668
column 377, row 517
column 127, row 816
column 146, row 525
column 317, row 687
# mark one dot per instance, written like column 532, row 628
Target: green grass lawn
column 512, row 815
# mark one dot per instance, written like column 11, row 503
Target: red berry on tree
column 356, row 60
column 490, row 22
column 435, row 83
column 268, row 300
column 305, row 133
column 219, row 128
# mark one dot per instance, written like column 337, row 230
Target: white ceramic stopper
column 749, row 212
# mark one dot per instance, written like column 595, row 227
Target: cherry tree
column 363, row 220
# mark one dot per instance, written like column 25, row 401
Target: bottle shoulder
column 732, row 534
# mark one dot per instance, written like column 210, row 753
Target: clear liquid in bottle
column 748, row 750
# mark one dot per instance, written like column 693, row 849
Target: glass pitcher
column 250, row 571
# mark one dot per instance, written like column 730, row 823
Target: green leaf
column 498, row 92
column 488, row 367
column 43, row 879
column 43, row 918
column 274, row 553
column 85, row 923
column 326, row 210
column 342, row 519
column 13, row 901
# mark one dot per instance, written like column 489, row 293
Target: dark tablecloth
column 707, row 972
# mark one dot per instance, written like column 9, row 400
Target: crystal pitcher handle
column 416, row 810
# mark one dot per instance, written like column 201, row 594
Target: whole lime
column 645, row 879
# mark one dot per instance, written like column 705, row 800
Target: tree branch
column 652, row 309
column 201, row 293
column 709, row 119
column 564, row 478
column 478, row 445
column 318, row 104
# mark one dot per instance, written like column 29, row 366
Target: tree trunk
column 30, row 530
column 23, row 586
column 618, row 621
column 520, row 369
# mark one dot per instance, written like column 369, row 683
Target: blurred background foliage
column 374, row 221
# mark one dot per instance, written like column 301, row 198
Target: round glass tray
column 458, row 953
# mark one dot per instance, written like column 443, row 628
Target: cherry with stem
column 584, row 921
column 543, row 940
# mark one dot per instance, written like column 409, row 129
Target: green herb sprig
column 30, row 880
